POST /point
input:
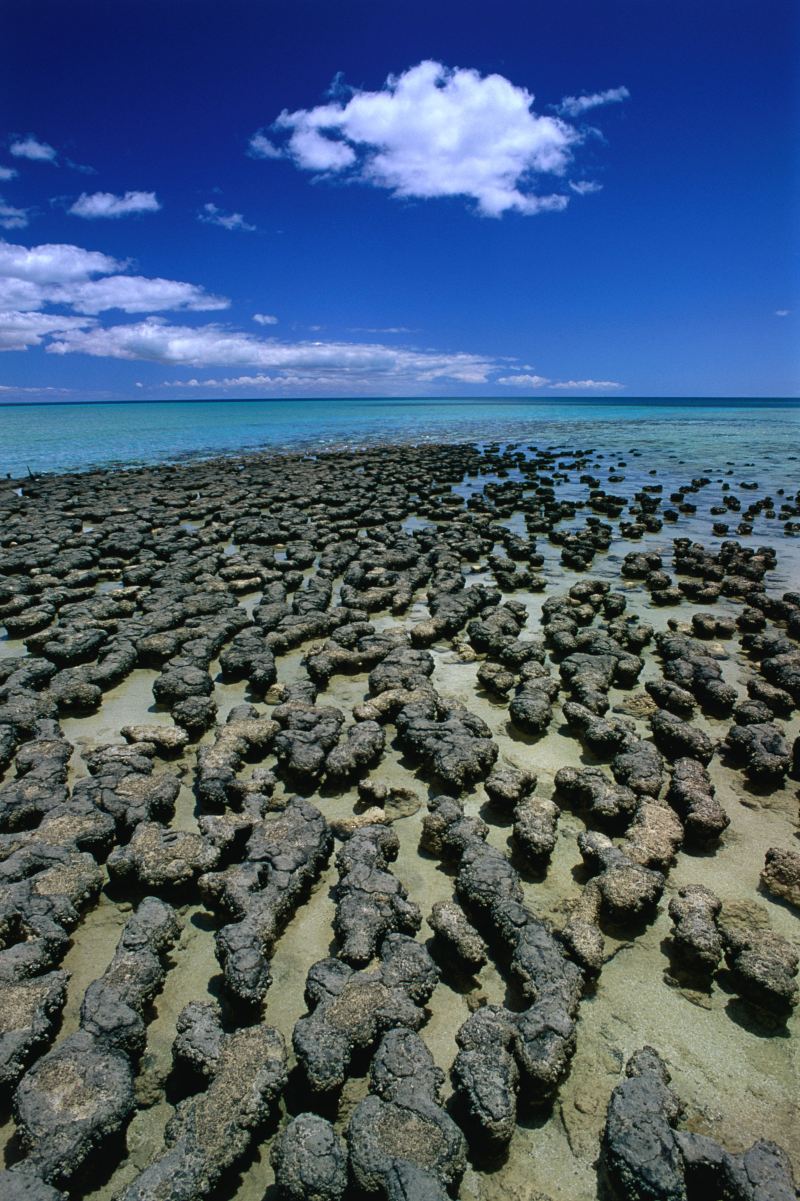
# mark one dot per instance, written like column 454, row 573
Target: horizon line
column 174, row 400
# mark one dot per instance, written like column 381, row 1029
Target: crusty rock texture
column 362, row 810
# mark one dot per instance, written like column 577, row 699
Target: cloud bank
column 82, row 285
column 85, row 281
column 155, row 340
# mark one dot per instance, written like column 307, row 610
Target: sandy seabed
column 396, row 624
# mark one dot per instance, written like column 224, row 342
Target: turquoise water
column 702, row 434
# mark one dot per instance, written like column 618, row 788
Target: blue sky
column 459, row 198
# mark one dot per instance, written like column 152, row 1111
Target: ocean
column 699, row 434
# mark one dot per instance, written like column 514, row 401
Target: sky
column 287, row 198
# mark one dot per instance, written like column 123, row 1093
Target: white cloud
column 54, row 263
column 106, row 204
column 130, row 293
column 135, row 294
column 240, row 381
column 782, row 312
column 575, row 106
column 260, row 146
column 435, row 131
column 15, row 389
column 336, row 364
column 31, row 278
column 381, row 329
column 8, row 173
column 212, row 215
column 31, row 148
column 83, row 168
column 524, row 381
column 587, row 385
column 20, row 294
column 572, row 385
column 585, row 187
column 265, row 319
column 11, row 217
column 18, row 331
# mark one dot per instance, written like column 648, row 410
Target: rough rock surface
column 309, row 1160
column 695, row 936
column 400, row 1131
column 449, row 922
column 211, row 1131
column 644, row 1156
column 284, row 855
column 370, row 901
column 187, row 646
column 81, row 1093
column 350, row 1009
column 781, row 874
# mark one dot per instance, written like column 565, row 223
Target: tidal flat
column 410, row 822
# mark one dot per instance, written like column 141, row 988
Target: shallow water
column 74, row 437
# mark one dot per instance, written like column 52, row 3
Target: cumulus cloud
column 31, row 148
column 18, row 331
column 106, row 204
column 435, row 131
column 20, row 294
column 336, row 363
column 86, row 281
column 7, row 173
column 265, row 319
column 782, row 312
column 585, row 187
column 12, row 217
column 136, row 294
column 576, row 106
column 212, row 215
column 54, row 263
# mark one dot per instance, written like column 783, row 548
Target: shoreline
column 400, row 585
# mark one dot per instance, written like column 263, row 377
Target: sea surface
column 700, row 434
